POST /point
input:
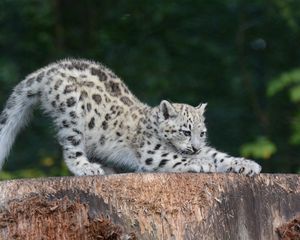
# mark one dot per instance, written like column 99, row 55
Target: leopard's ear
column 201, row 108
column 167, row 110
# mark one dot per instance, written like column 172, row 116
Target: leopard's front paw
column 245, row 167
column 201, row 168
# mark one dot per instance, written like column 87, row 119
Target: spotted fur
column 101, row 124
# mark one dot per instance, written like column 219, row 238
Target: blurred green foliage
column 261, row 148
column 290, row 82
column 242, row 57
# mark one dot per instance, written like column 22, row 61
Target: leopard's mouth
column 186, row 151
column 189, row 152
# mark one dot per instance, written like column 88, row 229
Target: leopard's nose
column 195, row 149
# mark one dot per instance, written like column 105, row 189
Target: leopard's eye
column 186, row 133
column 202, row 134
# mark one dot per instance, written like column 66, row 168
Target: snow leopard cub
column 100, row 124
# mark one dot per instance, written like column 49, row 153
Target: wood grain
column 149, row 206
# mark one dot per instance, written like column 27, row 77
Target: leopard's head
column 182, row 126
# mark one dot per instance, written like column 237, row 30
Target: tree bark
column 152, row 206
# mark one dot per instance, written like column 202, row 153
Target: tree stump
column 152, row 206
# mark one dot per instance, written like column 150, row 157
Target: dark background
column 242, row 57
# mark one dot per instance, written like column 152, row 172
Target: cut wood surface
column 151, row 206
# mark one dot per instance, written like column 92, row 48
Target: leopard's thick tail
column 17, row 112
